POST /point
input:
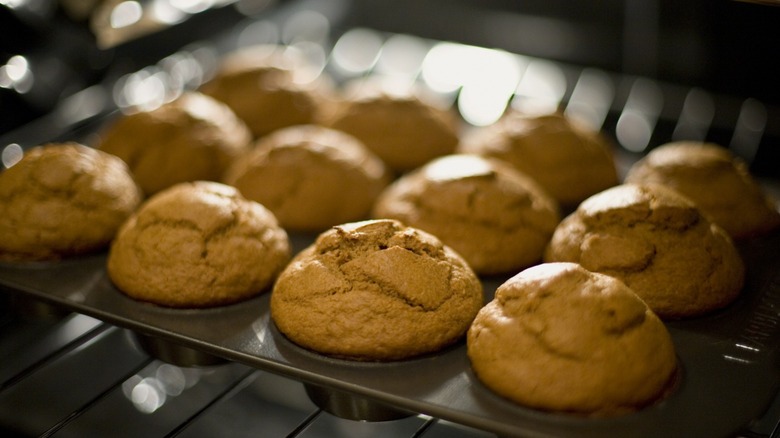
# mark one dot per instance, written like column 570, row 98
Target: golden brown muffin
column 191, row 138
column 657, row 242
column 269, row 88
column 310, row 177
column 494, row 216
column 570, row 161
column 375, row 291
column 62, row 200
column 717, row 181
column 198, row 244
column 557, row 337
column 404, row 131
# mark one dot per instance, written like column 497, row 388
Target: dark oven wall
column 722, row 45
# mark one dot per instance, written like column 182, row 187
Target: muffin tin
column 729, row 359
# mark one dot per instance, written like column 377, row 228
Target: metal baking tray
column 729, row 359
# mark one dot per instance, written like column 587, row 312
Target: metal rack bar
column 776, row 431
column 240, row 382
column 305, row 423
column 229, row 391
column 94, row 401
column 425, row 427
column 53, row 356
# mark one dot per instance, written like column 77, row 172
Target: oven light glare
column 171, row 379
column 144, row 90
column 541, row 89
column 13, row 4
column 402, row 55
column 356, row 51
column 11, row 155
column 737, row 360
column 126, row 14
column 309, row 26
column 191, row 6
column 166, row 12
column 633, row 131
column 166, row 382
column 440, row 69
column 259, row 33
column 147, row 396
column 16, row 68
column 482, row 106
column 16, row 75
column 747, row 347
column 591, row 99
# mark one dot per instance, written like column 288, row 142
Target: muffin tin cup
column 352, row 407
column 34, row 309
column 173, row 352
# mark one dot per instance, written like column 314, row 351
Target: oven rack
column 53, row 382
column 67, row 374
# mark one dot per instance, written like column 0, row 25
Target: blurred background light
column 126, row 14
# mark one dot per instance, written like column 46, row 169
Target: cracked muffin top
column 375, row 290
column 198, row 244
column 716, row 180
column 557, row 337
column 270, row 87
column 496, row 217
column 310, row 177
column 62, row 200
column 657, row 242
column 402, row 129
column 191, row 138
column 569, row 160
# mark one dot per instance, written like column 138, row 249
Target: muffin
column 375, row 291
column 269, row 88
column 63, row 199
column 559, row 338
column 570, row 161
column 404, row 131
column 310, row 177
column 498, row 219
column 658, row 243
column 717, row 181
column 189, row 139
column 195, row 245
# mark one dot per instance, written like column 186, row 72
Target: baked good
column 557, row 337
column 716, row 180
column 191, row 138
column 63, row 199
column 566, row 158
column 403, row 130
column 497, row 218
column 657, row 242
column 198, row 244
column 310, row 177
column 269, row 88
column 375, row 290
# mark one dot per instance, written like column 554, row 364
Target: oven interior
column 645, row 72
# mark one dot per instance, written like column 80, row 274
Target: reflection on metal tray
column 729, row 359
